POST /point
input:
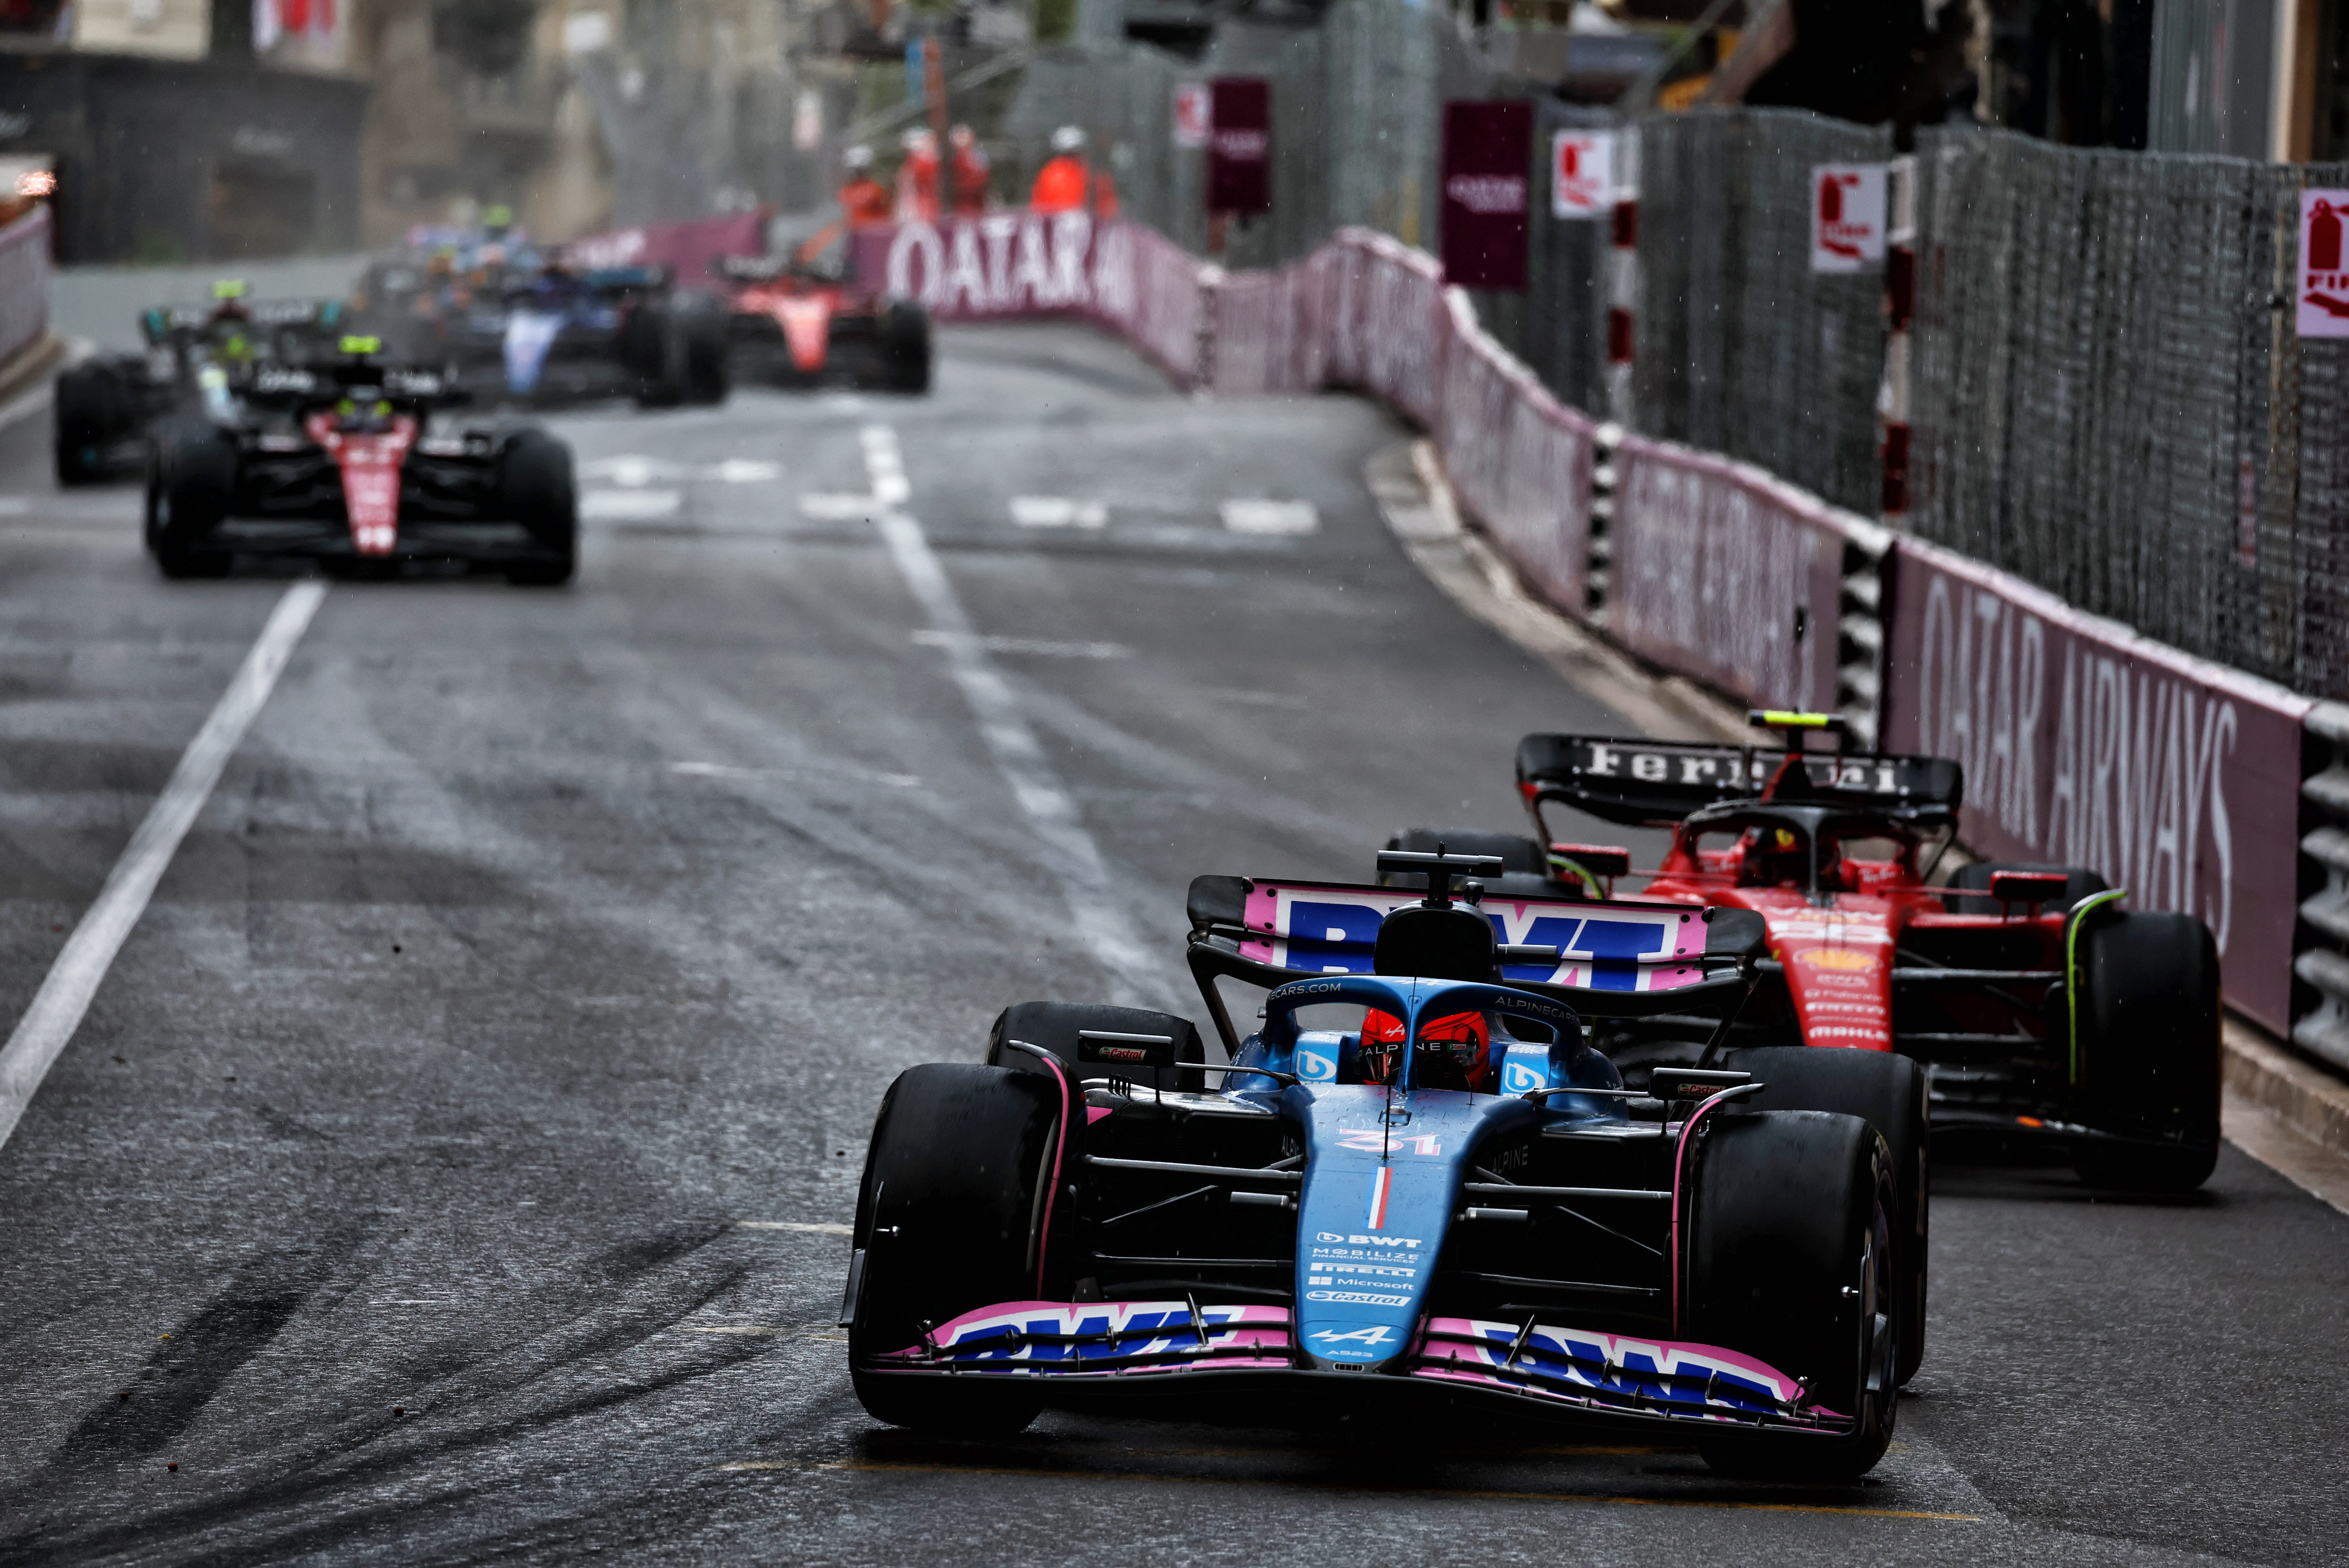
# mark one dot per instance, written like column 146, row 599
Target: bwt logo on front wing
column 1368, row 1240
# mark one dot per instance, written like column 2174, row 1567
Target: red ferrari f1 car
column 2040, row 1007
column 796, row 326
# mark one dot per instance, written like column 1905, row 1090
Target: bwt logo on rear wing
column 1332, row 928
column 1648, row 784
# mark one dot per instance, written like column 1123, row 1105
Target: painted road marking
column 629, row 506
column 1040, row 647
column 632, row 471
column 746, row 471
column 1058, row 512
column 820, row 1229
column 65, row 995
column 727, row 771
column 1289, row 517
column 15, row 505
column 1070, row 851
column 838, row 508
column 887, row 1467
column 761, row 1329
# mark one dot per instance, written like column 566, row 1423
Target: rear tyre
column 92, row 412
column 1888, row 1093
column 190, row 478
column 704, row 326
column 652, row 350
column 1790, row 1217
column 2078, row 883
column 2146, row 1057
column 1053, row 1026
column 906, row 347
column 950, row 1217
column 536, row 489
column 1524, row 863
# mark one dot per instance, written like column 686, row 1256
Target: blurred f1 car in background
column 797, row 325
column 535, row 331
column 2041, row 1010
column 1417, row 1183
column 339, row 461
column 196, row 357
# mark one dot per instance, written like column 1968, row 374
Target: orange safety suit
column 917, row 189
column 864, row 201
column 1067, row 183
column 971, row 171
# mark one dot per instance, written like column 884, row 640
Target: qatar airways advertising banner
column 2085, row 744
column 1004, row 264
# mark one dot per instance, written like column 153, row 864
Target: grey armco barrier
column 2084, row 743
column 24, row 283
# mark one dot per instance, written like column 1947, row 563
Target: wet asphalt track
column 427, row 1172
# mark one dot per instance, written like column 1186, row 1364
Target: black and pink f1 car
column 1416, row 1183
column 340, row 460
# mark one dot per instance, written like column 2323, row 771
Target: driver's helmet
column 1774, row 857
column 1452, row 1050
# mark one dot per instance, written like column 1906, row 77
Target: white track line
column 1069, row 853
column 57, row 1008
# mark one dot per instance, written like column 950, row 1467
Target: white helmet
column 1068, row 138
column 858, row 157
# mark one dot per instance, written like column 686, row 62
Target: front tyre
column 2145, row 1050
column 191, row 479
column 1888, row 1093
column 1790, row 1259
column 536, row 489
column 92, row 412
column 953, row 1215
column 904, row 337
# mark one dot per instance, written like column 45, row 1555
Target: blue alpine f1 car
column 1416, row 1180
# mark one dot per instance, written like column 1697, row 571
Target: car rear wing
column 1614, row 958
column 158, row 324
column 1655, row 784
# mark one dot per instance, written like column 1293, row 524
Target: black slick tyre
column 1057, row 1026
column 1888, row 1093
column 2146, row 1053
column 704, row 326
column 536, row 489
column 191, row 479
column 1788, row 1259
column 951, row 1216
column 905, row 340
column 652, row 350
column 92, row 412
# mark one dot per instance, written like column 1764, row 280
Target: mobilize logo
column 1487, row 195
column 1368, row 1240
column 1242, row 146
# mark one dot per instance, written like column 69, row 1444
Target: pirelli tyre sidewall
column 192, row 474
column 1888, row 1093
column 950, row 1217
column 1787, row 1258
column 2147, row 1055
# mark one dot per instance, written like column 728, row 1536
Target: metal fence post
column 2320, row 964
column 1624, row 275
column 1899, row 310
